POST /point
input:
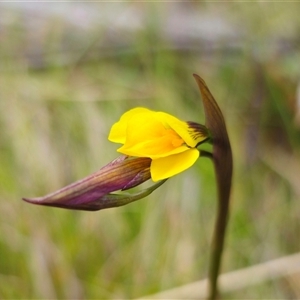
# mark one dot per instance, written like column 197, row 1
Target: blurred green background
column 67, row 73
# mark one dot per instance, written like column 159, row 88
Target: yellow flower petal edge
column 169, row 166
column 153, row 149
column 118, row 131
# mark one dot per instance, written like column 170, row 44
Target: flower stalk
column 223, row 164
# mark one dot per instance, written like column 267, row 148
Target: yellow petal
column 169, row 166
column 154, row 149
column 146, row 136
column 188, row 131
column 142, row 127
column 118, row 131
column 147, row 133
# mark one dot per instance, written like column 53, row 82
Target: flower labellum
column 169, row 142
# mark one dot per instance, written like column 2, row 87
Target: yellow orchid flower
column 159, row 146
column 169, row 142
column 156, row 145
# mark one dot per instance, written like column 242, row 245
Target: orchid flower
column 170, row 143
column 157, row 145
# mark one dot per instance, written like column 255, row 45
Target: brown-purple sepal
column 91, row 192
column 222, row 159
column 222, row 155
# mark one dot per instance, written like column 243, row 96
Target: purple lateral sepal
column 121, row 174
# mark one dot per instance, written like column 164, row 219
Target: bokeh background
column 67, row 73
